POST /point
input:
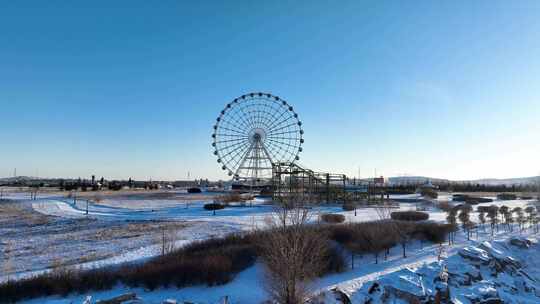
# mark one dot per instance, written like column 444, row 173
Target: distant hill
column 415, row 180
column 508, row 181
column 18, row 178
column 485, row 181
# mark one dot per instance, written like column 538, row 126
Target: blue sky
column 132, row 88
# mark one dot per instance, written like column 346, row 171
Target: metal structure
column 292, row 182
column 253, row 133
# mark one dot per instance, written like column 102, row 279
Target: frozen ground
column 247, row 287
column 55, row 230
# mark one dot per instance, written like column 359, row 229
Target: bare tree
column 482, row 218
column 451, row 218
column 521, row 219
column 401, row 231
column 506, row 216
column 531, row 214
column 465, row 222
column 293, row 253
column 493, row 212
column 168, row 240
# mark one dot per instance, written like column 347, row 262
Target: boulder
column 475, row 254
column 119, row 299
column 520, row 242
column 391, row 293
column 332, row 296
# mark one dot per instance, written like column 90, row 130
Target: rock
column 485, row 293
column 463, row 274
column 170, row 301
column 333, row 296
column 520, row 242
column 119, row 299
column 492, row 301
column 442, row 294
column 374, row 288
column 341, row 296
column 475, row 254
column 391, row 292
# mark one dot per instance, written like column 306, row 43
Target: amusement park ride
column 257, row 139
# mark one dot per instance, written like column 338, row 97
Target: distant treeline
column 457, row 187
column 470, row 187
column 97, row 184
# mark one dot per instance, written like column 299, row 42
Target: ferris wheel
column 252, row 133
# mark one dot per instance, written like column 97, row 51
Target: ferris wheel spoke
column 287, row 132
column 229, row 135
column 243, row 153
column 234, row 125
column 267, row 116
column 278, row 146
column 278, row 121
column 275, row 153
column 283, row 143
column 283, row 138
column 247, row 117
column 284, row 127
column 238, row 119
column 225, row 128
column 260, row 121
column 229, row 152
column 287, row 120
column 245, row 122
column 273, row 114
column 230, row 140
column 254, row 114
column 226, row 147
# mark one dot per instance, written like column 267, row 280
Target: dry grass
column 12, row 212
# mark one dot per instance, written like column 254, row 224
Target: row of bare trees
column 496, row 217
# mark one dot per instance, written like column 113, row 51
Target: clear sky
column 132, row 88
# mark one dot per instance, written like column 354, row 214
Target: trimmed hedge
column 470, row 199
column 413, row 216
column 506, row 196
column 332, row 218
column 213, row 206
column 375, row 236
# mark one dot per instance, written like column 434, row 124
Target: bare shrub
column 168, row 240
column 231, row 197
column 292, row 254
column 333, row 218
column 7, row 265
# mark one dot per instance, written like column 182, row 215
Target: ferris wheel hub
column 257, row 135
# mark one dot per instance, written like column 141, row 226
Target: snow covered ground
column 194, row 223
column 247, row 287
